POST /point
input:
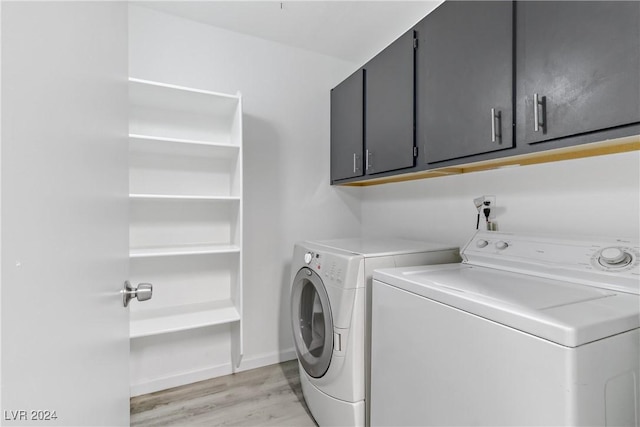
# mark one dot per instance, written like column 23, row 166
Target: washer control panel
column 614, row 263
column 614, row 257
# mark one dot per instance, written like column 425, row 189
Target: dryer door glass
column 312, row 322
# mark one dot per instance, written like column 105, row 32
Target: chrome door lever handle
column 143, row 292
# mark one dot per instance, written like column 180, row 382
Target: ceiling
column 350, row 30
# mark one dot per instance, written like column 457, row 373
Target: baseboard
column 266, row 359
column 213, row 372
column 179, row 379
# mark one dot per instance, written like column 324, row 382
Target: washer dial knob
column 501, row 245
column 308, row 257
column 614, row 257
column 481, row 243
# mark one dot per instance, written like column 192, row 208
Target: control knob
column 502, row 245
column 308, row 257
column 481, row 243
column 614, row 257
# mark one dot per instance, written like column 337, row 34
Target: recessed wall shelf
column 175, row 146
column 182, row 318
column 185, row 184
column 171, row 112
column 180, row 98
column 182, row 197
column 203, row 249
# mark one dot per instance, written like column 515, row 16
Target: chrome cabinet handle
column 538, row 102
column 143, row 292
column 536, row 125
column 367, row 160
column 356, row 158
column 496, row 133
column 493, row 125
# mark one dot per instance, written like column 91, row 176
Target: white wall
column 286, row 151
column 592, row 196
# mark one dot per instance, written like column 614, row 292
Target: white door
column 64, row 222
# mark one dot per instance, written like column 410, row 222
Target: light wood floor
column 268, row 396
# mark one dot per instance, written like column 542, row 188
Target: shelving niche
column 185, row 181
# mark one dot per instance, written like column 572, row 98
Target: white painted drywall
column 350, row 30
column 287, row 196
column 593, row 196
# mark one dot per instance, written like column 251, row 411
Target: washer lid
column 565, row 313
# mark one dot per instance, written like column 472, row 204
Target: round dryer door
column 312, row 322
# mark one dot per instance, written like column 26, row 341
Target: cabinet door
column 347, row 130
column 580, row 61
column 389, row 108
column 465, row 77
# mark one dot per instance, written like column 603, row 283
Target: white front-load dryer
column 329, row 312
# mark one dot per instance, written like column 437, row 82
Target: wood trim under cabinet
column 612, row 146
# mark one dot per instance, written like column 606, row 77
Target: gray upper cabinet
column 464, row 78
column 478, row 81
column 347, row 130
column 389, row 108
column 578, row 67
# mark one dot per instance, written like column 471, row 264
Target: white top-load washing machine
column 329, row 317
column 528, row 330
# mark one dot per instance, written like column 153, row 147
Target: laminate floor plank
column 267, row 396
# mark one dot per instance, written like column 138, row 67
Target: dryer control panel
column 606, row 263
column 336, row 268
column 328, row 267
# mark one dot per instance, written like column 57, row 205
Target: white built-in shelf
column 171, row 97
column 181, row 318
column 184, row 197
column 183, row 147
column 204, row 249
column 185, row 225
